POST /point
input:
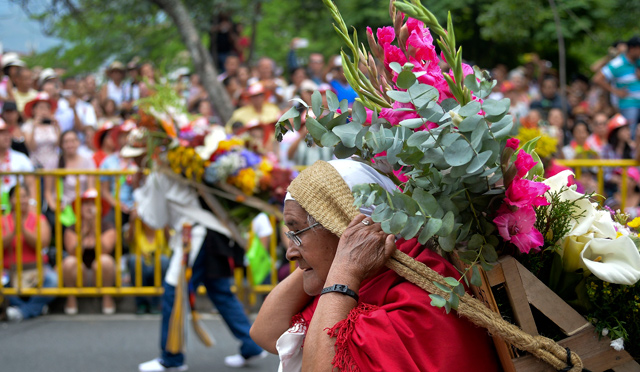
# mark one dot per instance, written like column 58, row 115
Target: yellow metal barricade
column 81, row 289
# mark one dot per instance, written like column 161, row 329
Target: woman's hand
column 363, row 248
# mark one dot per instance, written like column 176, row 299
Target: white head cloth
column 356, row 173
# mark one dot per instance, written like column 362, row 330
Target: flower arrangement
column 464, row 182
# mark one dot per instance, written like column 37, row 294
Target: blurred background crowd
column 54, row 119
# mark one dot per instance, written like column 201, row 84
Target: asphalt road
column 118, row 343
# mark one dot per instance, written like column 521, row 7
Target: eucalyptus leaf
column 470, row 123
column 413, row 123
column 399, row 96
column 447, row 224
column 332, row 101
column 347, row 133
column 454, row 301
column 449, row 104
column 459, row 153
column 423, row 94
column 475, row 242
column 478, row 134
column 471, row 82
column 300, row 101
column 479, row 161
column 405, row 79
column 315, row 128
column 290, row 114
column 329, row 140
column 381, row 213
column 426, row 201
column 359, row 113
column 442, row 287
column 395, row 66
column 430, row 229
column 471, row 108
column 451, row 281
column 492, row 107
column 412, row 227
column 476, row 279
column 489, row 253
column 316, row 104
column 437, row 300
column 343, row 152
column 447, row 243
column 398, row 222
column 418, row 138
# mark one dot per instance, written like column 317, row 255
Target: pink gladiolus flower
column 513, row 143
column 386, row 35
column 522, row 193
column 395, row 117
column 517, row 227
column 524, row 163
column 421, row 47
column 393, row 54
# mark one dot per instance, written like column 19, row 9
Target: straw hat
column 116, row 66
column 40, row 97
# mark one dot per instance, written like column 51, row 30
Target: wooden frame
column 525, row 290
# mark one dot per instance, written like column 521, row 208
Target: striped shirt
column 621, row 72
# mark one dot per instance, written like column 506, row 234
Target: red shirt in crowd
column 28, row 252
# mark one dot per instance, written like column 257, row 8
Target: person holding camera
column 42, row 131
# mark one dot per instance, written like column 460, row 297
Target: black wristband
column 341, row 288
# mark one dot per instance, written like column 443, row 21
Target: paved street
column 97, row 343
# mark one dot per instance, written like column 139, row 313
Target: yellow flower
column 635, row 223
column 546, row 145
column 245, row 180
column 188, row 173
column 265, row 166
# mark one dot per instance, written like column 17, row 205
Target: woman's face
column 70, row 144
column 42, row 110
column 624, row 134
column 555, row 118
column 315, row 254
column 11, row 117
column 580, row 134
column 88, row 209
column 109, row 108
column 298, row 77
column 243, row 75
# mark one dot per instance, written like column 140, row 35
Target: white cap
column 12, row 59
column 46, row 74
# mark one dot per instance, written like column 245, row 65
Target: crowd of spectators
column 50, row 120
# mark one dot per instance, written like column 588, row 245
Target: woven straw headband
column 324, row 194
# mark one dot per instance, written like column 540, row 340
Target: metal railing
column 136, row 288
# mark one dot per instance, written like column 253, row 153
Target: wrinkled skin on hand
column 363, row 249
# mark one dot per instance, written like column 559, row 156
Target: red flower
column 522, row 193
column 517, row 227
column 513, row 143
column 524, row 163
column 386, row 35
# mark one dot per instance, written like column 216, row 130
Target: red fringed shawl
column 394, row 327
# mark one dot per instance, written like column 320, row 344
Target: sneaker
column 156, row 366
column 14, row 314
column 237, row 361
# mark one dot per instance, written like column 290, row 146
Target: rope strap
column 471, row 308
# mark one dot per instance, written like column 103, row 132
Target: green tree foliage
column 490, row 32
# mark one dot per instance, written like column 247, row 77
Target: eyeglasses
column 293, row 235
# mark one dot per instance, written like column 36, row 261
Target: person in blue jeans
column 33, row 306
column 162, row 201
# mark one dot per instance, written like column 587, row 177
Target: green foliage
column 454, row 169
column 616, row 308
column 554, row 220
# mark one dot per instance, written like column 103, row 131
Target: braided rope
column 474, row 310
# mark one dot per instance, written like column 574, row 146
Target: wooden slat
column 518, row 296
column 597, row 356
column 631, row 366
column 550, row 304
column 496, row 276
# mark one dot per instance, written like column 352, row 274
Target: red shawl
column 394, row 327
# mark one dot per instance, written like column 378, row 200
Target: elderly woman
column 350, row 311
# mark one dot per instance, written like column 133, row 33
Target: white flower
column 618, row 344
column 605, row 331
column 583, row 224
column 612, row 260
